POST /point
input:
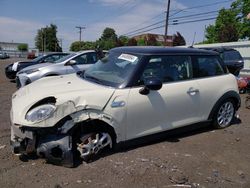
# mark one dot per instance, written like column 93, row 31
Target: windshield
column 112, row 70
column 40, row 57
column 65, row 58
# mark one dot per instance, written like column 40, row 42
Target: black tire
column 87, row 140
column 224, row 114
column 247, row 102
column 242, row 90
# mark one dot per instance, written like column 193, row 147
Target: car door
column 176, row 104
column 83, row 62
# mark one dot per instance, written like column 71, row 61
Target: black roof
column 218, row 49
column 150, row 50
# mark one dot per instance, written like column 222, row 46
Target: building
column 159, row 38
column 9, row 46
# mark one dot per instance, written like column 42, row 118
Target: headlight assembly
column 40, row 113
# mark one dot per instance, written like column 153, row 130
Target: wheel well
column 229, row 95
column 96, row 125
column 51, row 75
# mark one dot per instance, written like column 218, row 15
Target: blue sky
column 20, row 20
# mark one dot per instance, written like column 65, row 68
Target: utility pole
column 166, row 24
column 80, row 31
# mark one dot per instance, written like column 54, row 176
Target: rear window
column 231, row 55
column 206, row 66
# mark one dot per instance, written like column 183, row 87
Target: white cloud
column 134, row 13
column 18, row 30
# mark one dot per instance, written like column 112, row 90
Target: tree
column 242, row 9
column 46, row 39
column 178, row 40
column 22, row 47
column 124, row 40
column 141, row 42
column 226, row 28
column 108, row 39
column 109, row 34
column 151, row 40
column 132, row 42
column 231, row 24
column 80, row 45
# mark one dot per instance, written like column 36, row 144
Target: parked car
column 244, row 80
column 72, row 63
column 4, row 55
column 131, row 93
column 231, row 57
column 12, row 69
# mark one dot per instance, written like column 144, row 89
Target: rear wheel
column 91, row 144
column 242, row 90
column 224, row 114
column 247, row 102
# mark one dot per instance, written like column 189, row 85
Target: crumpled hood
column 68, row 88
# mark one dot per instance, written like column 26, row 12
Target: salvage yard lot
column 201, row 158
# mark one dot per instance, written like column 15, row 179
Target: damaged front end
column 53, row 144
column 57, row 144
column 44, row 121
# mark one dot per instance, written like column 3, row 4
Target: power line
column 173, row 24
column 191, row 21
column 206, row 5
column 146, row 21
column 192, row 15
column 162, row 21
column 117, row 8
column 178, row 11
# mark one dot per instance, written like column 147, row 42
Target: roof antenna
column 192, row 46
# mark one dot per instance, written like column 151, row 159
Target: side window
column 56, row 57
column 48, row 59
column 168, row 68
column 207, row 66
column 89, row 58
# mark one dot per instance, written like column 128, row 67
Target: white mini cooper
column 131, row 93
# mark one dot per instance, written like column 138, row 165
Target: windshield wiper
column 94, row 79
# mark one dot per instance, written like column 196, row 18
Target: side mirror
column 151, row 84
column 71, row 62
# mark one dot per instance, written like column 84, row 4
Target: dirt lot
column 203, row 158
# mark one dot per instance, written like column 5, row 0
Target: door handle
column 193, row 91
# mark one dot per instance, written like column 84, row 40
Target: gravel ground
column 201, row 158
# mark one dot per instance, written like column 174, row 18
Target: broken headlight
column 40, row 113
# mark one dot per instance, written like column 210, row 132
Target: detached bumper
column 56, row 148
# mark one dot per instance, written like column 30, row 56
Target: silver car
column 73, row 63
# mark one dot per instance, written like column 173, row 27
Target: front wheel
column 91, row 144
column 224, row 114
